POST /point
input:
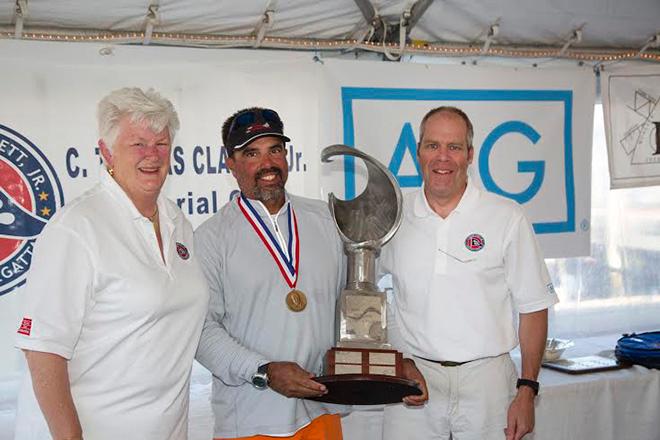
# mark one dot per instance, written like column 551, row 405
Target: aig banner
column 631, row 105
column 533, row 132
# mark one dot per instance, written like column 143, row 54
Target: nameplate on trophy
column 363, row 361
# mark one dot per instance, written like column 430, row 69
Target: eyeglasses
column 249, row 117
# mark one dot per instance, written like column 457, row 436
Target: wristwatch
column 534, row 385
column 260, row 378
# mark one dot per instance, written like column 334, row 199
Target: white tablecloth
column 612, row 405
column 609, row 405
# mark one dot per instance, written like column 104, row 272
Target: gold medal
column 296, row 301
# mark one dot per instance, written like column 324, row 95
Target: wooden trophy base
column 365, row 376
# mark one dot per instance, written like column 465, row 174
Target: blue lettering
column 294, row 159
column 536, row 167
column 72, row 169
column 179, row 164
column 223, row 160
column 97, row 151
column 406, row 144
column 209, row 167
column 198, row 151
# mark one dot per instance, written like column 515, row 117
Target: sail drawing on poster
column 631, row 104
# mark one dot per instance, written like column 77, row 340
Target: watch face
column 259, row 381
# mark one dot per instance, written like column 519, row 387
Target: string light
column 415, row 47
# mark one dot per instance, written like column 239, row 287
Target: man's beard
column 269, row 193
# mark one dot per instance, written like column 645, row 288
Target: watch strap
column 534, row 385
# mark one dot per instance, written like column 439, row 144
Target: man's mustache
column 265, row 171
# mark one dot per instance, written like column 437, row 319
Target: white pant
column 466, row 402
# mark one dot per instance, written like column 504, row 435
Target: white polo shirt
column 459, row 281
column 100, row 296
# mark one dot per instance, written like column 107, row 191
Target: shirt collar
column 469, row 197
column 263, row 211
column 422, row 208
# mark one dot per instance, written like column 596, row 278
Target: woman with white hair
column 115, row 300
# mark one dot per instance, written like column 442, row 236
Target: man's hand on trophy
column 288, row 379
column 411, row 372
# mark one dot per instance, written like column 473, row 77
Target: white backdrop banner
column 532, row 129
column 48, row 132
column 631, row 106
column 532, row 134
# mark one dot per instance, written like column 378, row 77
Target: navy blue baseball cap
column 251, row 124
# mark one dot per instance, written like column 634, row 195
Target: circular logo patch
column 182, row 250
column 30, row 193
column 475, row 242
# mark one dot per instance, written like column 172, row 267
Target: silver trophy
column 362, row 368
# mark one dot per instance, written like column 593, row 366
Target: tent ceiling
column 604, row 24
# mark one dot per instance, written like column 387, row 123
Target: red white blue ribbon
column 287, row 259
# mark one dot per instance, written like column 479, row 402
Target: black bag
column 639, row 348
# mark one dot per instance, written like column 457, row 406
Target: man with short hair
column 274, row 265
column 463, row 261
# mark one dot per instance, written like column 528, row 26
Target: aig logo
column 538, row 122
column 30, row 193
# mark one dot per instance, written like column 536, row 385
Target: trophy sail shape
column 363, row 369
column 375, row 214
column 365, row 224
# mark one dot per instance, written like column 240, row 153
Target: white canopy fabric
column 602, row 24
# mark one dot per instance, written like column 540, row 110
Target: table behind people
column 115, row 299
column 274, row 265
column 463, row 262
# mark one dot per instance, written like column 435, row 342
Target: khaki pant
column 466, row 402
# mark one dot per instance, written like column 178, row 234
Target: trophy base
column 365, row 389
column 365, row 376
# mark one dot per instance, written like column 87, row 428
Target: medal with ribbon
column 286, row 256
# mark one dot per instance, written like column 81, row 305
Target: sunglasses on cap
column 250, row 117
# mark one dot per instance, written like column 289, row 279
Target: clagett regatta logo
column 30, row 193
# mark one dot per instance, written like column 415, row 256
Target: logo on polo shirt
column 26, row 327
column 30, row 193
column 182, row 250
column 475, row 242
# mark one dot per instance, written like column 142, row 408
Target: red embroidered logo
column 475, row 242
column 26, row 327
column 182, row 250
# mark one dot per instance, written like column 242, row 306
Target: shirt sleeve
column 525, row 270
column 385, row 281
column 394, row 336
column 57, row 294
column 219, row 352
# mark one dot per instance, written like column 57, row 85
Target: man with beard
column 273, row 262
